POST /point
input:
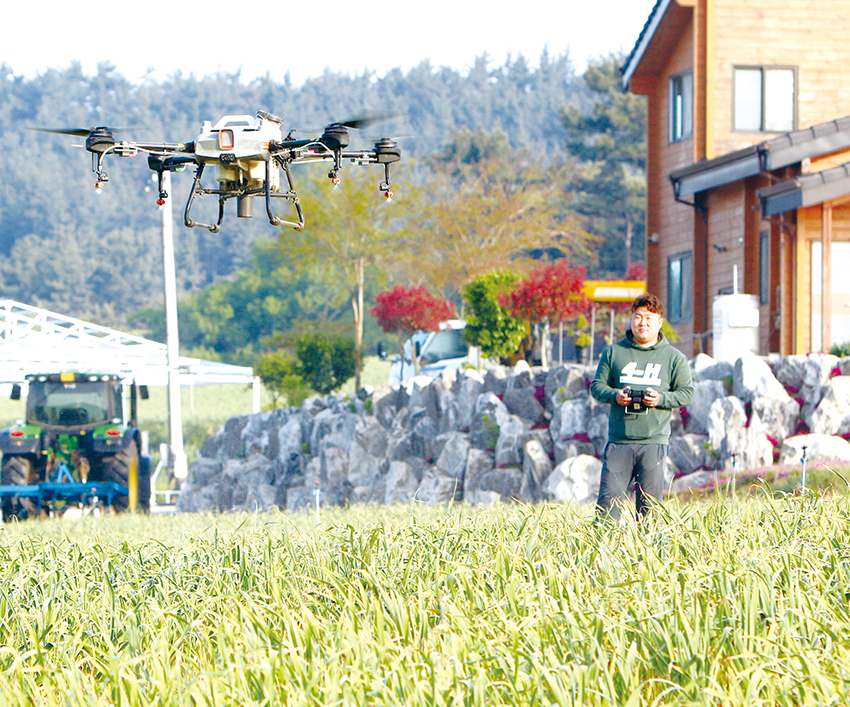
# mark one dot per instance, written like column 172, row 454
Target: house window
column 680, row 287
column 765, row 99
column 681, row 106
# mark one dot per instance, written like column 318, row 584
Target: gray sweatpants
column 625, row 463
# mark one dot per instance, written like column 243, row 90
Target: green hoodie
column 660, row 367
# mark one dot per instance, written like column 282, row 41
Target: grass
column 376, row 372
column 721, row 603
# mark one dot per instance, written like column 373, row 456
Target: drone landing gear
column 292, row 195
column 198, row 188
column 244, row 200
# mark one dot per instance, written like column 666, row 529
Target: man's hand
column 651, row 398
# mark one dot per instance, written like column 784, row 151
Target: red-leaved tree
column 403, row 312
column 549, row 295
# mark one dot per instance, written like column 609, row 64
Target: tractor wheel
column 18, row 471
column 124, row 468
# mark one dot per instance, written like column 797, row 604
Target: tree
column 349, row 230
column 279, row 372
column 550, row 294
column 489, row 215
column 326, row 360
column 403, row 312
column 488, row 324
column 611, row 142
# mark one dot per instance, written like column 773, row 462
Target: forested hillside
column 477, row 145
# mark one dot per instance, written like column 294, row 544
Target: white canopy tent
column 35, row 340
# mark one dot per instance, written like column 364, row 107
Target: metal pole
column 177, row 456
column 734, row 474
column 592, row 330
column 803, row 484
column 560, row 343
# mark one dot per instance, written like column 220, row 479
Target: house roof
column 807, row 190
column 646, row 35
column 781, row 151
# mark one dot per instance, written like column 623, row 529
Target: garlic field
column 727, row 602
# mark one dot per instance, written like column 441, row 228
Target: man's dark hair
column 650, row 302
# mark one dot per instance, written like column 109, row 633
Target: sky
column 157, row 39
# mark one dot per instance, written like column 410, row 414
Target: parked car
column 437, row 351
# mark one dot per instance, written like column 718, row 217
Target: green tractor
column 79, row 446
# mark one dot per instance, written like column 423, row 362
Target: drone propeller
column 364, row 121
column 79, row 132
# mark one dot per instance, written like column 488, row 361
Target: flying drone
column 249, row 154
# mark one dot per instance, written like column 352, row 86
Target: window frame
column 681, row 308
column 684, row 115
column 763, row 69
column 764, row 267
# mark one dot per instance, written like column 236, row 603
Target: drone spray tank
column 229, row 144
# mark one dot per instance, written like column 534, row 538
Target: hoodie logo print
column 651, row 375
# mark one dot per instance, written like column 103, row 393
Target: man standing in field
column 643, row 378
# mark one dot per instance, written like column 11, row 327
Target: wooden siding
column 808, row 34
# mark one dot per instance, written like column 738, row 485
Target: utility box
column 735, row 326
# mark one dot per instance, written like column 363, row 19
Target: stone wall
column 525, row 434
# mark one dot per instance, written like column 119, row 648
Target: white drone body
column 248, row 153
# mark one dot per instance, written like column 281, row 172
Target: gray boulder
column 699, row 479
column 575, row 480
column 438, row 487
column 727, row 421
column 512, row 436
column 496, row 380
column 752, row 378
column 779, row 417
column 704, row 367
column 401, row 483
column 371, row 435
column 570, row 419
column 496, row 486
column 478, row 464
column 819, row 448
column 705, row 393
column 523, row 403
column 471, row 387
column 832, row 415
column 424, row 395
column 363, row 472
column 453, row 458
column 536, row 468
column 489, row 415
column 688, row 452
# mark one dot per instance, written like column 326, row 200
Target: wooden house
column 748, row 165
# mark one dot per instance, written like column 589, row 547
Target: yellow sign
column 613, row 290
